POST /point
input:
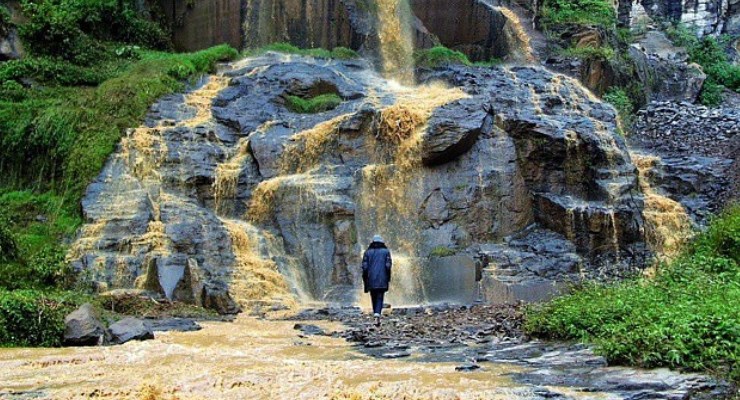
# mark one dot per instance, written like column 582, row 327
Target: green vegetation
column 34, row 317
column 709, row 53
column 313, row 105
column 439, row 56
column 93, row 69
column 622, row 102
column 578, row 12
column 441, row 251
column 684, row 317
column 338, row 53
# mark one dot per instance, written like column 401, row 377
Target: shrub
column 75, row 29
column 439, row 56
column 622, row 102
column 5, row 20
column 590, row 52
column 709, row 53
column 321, row 103
column 685, row 317
column 8, row 245
column 33, row 318
column 580, row 12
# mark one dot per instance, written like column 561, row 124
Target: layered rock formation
column 481, row 29
column 705, row 17
column 228, row 198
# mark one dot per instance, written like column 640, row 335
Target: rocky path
column 484, row 337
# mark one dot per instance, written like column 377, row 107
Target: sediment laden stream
column 247, row 359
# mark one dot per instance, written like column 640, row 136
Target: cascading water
column 396, row 40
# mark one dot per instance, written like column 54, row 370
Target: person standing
column 376, row 273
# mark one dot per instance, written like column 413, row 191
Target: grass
column 54, row 140
column 440, row 56
column 685, row 317
column 338, row 53
column 441, row 251
column 313, row 105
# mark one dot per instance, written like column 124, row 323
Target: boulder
column 664, row 70
column 82, row 327
column 453, row 130
column 129, row 329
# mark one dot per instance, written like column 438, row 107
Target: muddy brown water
column 246, row 359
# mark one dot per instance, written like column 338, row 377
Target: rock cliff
column 227, row 198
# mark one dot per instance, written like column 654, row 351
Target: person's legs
column 377, row 296
column 374, row 300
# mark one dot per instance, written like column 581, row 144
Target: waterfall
column 396, row 40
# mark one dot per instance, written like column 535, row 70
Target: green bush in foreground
column 439, row 56
column 685, row 317
column 33, row 318
column 313, row 105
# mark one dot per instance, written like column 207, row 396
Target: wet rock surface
column 129, row 329
column 225, row 179
column 699, row 148
column 478, row 337
column 83, row 327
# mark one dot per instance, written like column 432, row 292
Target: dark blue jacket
column 376, row 267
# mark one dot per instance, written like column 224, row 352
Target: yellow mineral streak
column 308, row 145
column 227, row 177
column 202, row 98
column 667, row 225
column 263, row 199
column 517, row 36
column 396, row 41
column 254, row 280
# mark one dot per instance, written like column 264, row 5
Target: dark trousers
column 376, row 295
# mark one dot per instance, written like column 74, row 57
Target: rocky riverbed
column 257, row 358
column 484, row 337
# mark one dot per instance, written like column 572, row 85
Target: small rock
column 467, row 367
column 129, row 329
column 396, row 354
column 309, row 329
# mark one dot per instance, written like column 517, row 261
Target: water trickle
column 255, row 279
column 667, row 224
column 396, row 40
column 227, row 178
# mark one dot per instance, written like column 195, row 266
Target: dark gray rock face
column 698, row 149
column 83, row 327
column 513, row 148
column 664, row 70
column 129, row 329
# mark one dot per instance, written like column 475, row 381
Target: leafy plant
column 590, row 52
column 33, row 318
column 579, row 12
column 685, row 317
column 313, row 105
column 622, row 102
